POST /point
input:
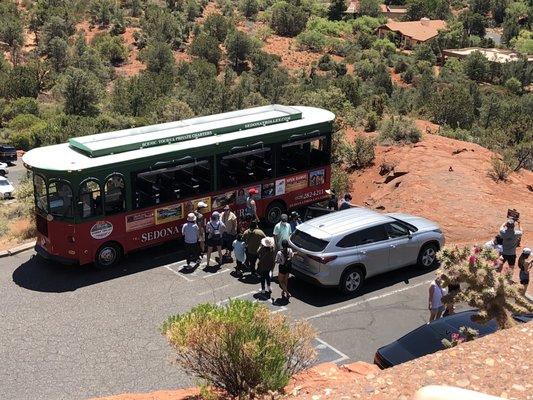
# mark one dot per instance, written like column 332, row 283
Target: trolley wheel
column 274, row 211
column 108, row 255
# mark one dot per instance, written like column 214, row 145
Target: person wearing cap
column 267, row 262
column 252, row 237
column 495, row 244
column 510, row 241
column 346, row 202
column 282, row 231
column 524, row 263
column 229, row 219
column 295, row 221
column 251, row 207
column 333, row 202
column 215, row 228
column 201, row 225
column 190, row 232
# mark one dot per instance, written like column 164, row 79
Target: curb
column 17, row 249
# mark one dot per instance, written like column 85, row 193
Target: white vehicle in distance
column 3, row 169
column 344, row 248
column 6, row 188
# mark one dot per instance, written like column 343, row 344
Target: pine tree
column 494, row 294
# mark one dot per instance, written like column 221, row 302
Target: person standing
column 201, row 225
column 251, row 207
column 267, row 261
column 525, row 265
column 495, row 244
column 435, row 305
column 239, row 249
column 295, row 221
column 284, row 261
column 190, row 232
column 244, row 223
column 214, row 228
column 333, row 202
column 510, row 241
column 282, row 231
column 346, row 202
column 252, row 238
column 229, row 219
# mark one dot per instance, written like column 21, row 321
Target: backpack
column 215, row 234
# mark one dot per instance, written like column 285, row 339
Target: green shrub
column 371, row 122
column 22, row 105
column 476, row 66
column 327, row 27
column 311, row 40
column 384, row 46
column 23, row 121
column 287, row 19
column 158, row 56
column 513, row 85
column 408, row 75
column 102, row 11
column 216, row 25
column 241, row 348
column 111, row 48
column 239, row 47
column 81, row 91
column 325, row 63
column 360, row 154
column 400, row 65
column 499, row 170
column 340, row 181
column 399, row 129
column 249, row 8
column 206, row 46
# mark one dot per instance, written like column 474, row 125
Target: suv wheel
column 427, row 257
column 351, row 281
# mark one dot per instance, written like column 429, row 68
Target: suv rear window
column 308, row 242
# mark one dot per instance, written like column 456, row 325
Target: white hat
column 526, row 250
column 227, row 207
column 191, row 217
column 202, row 204
column 267, row 242
column 215, row 215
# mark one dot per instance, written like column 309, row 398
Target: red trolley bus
column 101, row 196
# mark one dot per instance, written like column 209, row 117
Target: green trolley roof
column 129, row 145
column 157, row 135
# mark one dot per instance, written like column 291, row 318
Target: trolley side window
column 114, row 194
column 300, row 155
column 39, row 186
column 90, row 199
column 172, row 180
column 245, row 167
column 60, row 199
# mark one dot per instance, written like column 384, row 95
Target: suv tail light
column 322, row 260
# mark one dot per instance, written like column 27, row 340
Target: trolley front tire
column 108, row 255
column 274, row 211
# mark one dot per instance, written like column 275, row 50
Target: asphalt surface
column 75, row 333
column 16, row 172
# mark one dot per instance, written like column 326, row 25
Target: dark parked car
column 315, row 211
column 8, row 154
column 427, row 339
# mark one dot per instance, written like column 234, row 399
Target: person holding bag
column 267, row 262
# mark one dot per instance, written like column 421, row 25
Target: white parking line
column 381, row 296
column 216, row 273
column 340, row 353
column 235, row 297
column 177, row 273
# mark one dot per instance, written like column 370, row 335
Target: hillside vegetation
column 72, row 68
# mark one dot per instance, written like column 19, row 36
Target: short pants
column 510, row 258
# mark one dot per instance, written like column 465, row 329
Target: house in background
column 393, row 12
column 409, row 34
column 500, row 56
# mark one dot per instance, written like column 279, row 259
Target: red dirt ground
column 132, row 66
column 468, row 204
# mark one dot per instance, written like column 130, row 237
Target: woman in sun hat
column 215, row 229
column 267, row 261
column 190, row 232
column 251, row 207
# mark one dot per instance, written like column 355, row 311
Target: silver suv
column 345, row 247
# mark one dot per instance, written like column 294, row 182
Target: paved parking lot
column 76, row 333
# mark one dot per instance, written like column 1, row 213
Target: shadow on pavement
column 320, row 297
column 44, row 276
